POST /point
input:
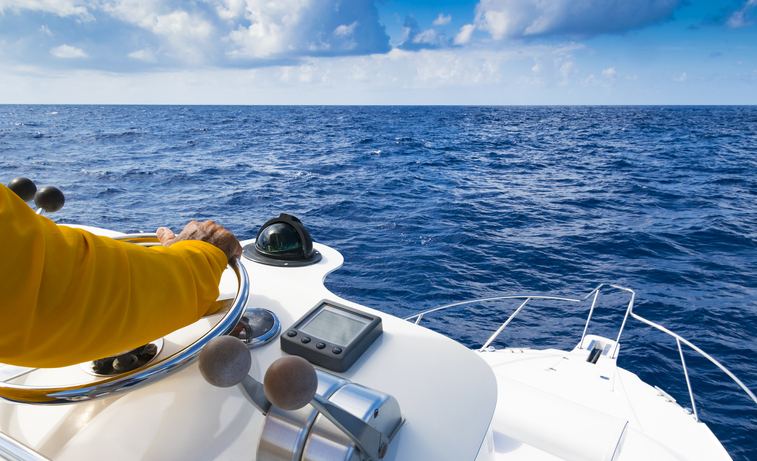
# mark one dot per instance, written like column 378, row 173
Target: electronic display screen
column 332, row 336
column 334, row 326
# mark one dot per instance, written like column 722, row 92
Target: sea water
column 434, row 205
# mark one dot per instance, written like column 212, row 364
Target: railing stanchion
column 499, row 330
column 588, row 319
column 688, row 383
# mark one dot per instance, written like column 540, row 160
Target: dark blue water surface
column 431, row 205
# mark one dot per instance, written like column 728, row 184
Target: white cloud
column 189, row 36
column 523, row 18
column 427, row 36
column 346, row 31
column 145, row 55
column 223, row 32
column 260, row 39
column 64, row 8
column 442, row 20
column 464, row 35
column 679, row 77
column 359, row 74
column 426, row 69
column 414, row 38
column 178, row 25
column 607, row 80
column 453, row 75
column 743, row 17
column 46, row 31
column 228, row 10
column 68, row 52
column 296, row 27
column 564, row 71
column 305, row 74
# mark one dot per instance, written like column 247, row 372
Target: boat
column 291, row 371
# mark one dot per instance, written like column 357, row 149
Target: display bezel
column 307, row 338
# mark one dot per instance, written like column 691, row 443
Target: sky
column 450, row 52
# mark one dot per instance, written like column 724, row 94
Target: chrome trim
column 136, row 378
column 12, row 450
column 285, row 433
column 267, row 337
column 354, row 417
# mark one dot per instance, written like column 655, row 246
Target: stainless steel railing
column 594, row 295
column 12, row 450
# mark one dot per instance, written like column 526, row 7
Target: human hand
column 209, row 232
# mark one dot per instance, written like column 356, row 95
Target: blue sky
column 378, row 51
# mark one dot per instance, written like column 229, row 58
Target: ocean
column 434, row 205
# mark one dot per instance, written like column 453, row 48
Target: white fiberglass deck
column 554, row 405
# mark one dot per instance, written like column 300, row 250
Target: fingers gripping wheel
column 131, row 380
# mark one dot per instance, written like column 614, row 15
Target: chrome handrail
column 629, row 312
column 136, row 378
column 13, row 450
column 680, row 340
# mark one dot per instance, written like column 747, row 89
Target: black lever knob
column 50, row 199
column 24, row 188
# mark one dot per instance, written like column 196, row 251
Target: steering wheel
column 141, row 376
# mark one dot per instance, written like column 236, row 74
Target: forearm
column 69, row 296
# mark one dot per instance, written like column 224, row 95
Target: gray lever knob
column 290, row 382
column 224, row 361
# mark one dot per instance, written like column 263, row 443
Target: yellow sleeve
column 68, row 296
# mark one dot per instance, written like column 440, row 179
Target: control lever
column 279, row 388
column 290, row 383
column 48, row 198
column 226, row 361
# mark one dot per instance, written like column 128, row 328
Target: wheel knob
column 50, row 199
column 24, row 188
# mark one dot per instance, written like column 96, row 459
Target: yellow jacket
column 68, row 296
